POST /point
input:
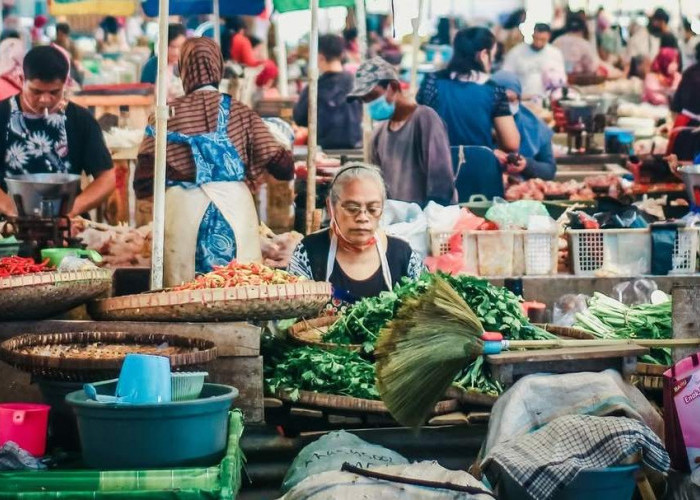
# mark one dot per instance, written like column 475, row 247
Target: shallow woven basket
column 42, row 295
column 310, row 332
column 355, row 405
column 90, row 369
column 242, row 303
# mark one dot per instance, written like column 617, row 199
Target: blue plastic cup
column 144, row 379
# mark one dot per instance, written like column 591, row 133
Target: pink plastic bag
column 682, row 408
column 451, row 262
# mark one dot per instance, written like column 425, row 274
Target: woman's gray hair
column 354, row 171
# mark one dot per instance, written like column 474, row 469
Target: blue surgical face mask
column 380, row 109
column 514, row 108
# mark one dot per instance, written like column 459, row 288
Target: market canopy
column 194, row 7
column 289, row 5
column 99, row 7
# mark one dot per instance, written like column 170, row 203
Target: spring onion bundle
column 607, row 318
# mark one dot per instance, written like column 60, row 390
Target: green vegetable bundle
column 608, row 318
column 339, row 372
column 497, row 308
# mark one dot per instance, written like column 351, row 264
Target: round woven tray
column 264, row 302
column 330, row 402
column 42, row 295
column 199, row 352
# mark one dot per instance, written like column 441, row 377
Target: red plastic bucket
column 25, row 424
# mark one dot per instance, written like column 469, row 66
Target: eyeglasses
column 373, row 210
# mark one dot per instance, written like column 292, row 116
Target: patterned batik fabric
column 216, row 160
column 36, row 145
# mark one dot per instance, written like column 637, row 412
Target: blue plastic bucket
column 175, row 434
column 613, row 483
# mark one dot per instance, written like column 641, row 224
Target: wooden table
column 510, row 366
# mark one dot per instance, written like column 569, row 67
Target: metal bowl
column 48, row 195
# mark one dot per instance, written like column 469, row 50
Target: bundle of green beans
column 607, row 318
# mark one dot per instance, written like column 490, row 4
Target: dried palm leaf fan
column 434, row 336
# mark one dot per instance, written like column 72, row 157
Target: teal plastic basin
column 177, row 434
column 612, row 483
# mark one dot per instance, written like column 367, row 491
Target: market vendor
column 356, row 257
column 41, row 132
column 536, row 154
column 217, row 147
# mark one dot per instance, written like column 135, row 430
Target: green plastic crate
column 218, row 482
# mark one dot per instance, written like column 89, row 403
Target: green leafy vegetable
column 608, row 318
column 339, row 372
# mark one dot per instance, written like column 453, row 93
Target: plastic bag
column 441, row 219
column 337, row 485
column 408, row 222
column 682, row 407
column 566, row 308
column 635, row 292
column 515, row 215
column 451, row 262
column 329, row 452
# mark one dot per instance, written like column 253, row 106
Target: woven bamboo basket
column 348, row 404
column 77, row 368
column 42, row 295
column 242, row 303
column 310, row 332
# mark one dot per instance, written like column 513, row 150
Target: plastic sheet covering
column 221, row 481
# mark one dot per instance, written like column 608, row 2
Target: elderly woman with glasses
column 354, row 255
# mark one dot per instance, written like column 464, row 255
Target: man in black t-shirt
column 40, row 132
column 339, row 122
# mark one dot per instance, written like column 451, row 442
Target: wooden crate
column 238, row 345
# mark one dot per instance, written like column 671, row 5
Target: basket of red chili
column 235, row 292
column 31, row 290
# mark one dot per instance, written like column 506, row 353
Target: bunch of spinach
column 339, row 372
column 497, row 308
column 362, row 322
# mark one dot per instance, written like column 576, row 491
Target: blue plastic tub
column 613, row 483
column 177, row 434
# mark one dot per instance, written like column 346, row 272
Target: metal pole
column 362, row 44
column 281, row 54
column 313, row 116
column 217, row 22
column 416, row 46
column 161, row 148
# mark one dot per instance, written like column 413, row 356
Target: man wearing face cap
column 410, row 145
column 41, row 132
